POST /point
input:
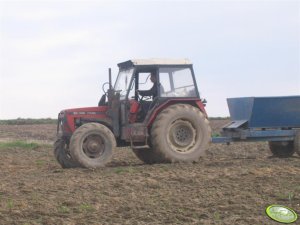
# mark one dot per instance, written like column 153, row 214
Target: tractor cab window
column 178, row 82
column 164, row 80
column 145, row 83
column 123, row 81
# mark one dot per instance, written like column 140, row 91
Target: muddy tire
column 297, row 143
column 180, row 133
column 62, row 154
column 147, row 155
column 282, row 149
column 92, row 145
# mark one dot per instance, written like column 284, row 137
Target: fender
column 191, row 101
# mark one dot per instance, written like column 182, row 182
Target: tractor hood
column 69, row 119
column 86, row 111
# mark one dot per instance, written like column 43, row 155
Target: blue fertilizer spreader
column 272, row 119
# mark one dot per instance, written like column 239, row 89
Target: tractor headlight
column 77, row 122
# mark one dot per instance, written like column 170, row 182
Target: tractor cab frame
column 175, row 84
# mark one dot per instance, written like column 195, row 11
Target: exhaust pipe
column 109, row 78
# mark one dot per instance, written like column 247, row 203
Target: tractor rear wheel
column 92, row 145
column 62, row 154
column 180, row 133
column 282, row 149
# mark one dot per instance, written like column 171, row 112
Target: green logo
column 281, row 214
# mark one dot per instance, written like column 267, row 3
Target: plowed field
column 233, row 184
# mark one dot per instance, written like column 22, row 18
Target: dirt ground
column 233, row 184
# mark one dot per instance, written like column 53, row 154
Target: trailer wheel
column 62, row 155
column 147, row 155
column 180, row 133
column 282, row 149
column 297, row 143
column 92, row 145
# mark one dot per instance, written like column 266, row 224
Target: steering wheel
column 143, row 98
column 140, row 98
column 103, row 87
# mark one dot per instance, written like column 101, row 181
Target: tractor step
column 137, row 147
column 139, row 134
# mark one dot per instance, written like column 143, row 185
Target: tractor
column 169, row 126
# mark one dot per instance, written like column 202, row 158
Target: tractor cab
column 173, row 80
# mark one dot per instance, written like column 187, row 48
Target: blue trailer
column 272, row 119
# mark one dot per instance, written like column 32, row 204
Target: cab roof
column 154, row 61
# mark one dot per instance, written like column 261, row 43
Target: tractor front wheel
column 282, row 149
column 62, row 154
column 92, row 145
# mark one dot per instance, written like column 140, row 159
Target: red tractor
column 169, row 126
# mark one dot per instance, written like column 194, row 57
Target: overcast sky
column 55, row 55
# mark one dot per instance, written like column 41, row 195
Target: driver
column 153, row 91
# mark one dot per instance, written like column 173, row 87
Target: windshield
column 123, row 82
